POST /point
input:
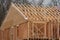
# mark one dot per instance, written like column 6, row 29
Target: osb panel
column 39, row 31
column 6, row 34
column 52, row 29
column 23, row 31
column 12, row 18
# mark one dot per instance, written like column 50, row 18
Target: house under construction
column 28, row 22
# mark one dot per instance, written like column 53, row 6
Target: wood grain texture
column 41, row 23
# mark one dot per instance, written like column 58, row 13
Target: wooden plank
column 6, row 34
column 58, row 30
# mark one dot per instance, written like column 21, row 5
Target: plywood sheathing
column 14, row 17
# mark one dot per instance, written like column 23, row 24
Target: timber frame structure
column 31, row 22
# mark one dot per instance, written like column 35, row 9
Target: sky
column 42, row 2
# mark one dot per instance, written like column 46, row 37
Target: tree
column 4, row 6
column 43, row 3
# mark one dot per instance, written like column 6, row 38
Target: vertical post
column 15, row 33
column 11, row 33
column 33, row 29
column 51, row 29
column 28, row 31
column 58, row 30
column 45, row 30
column 49, row 25
column 38, row 32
